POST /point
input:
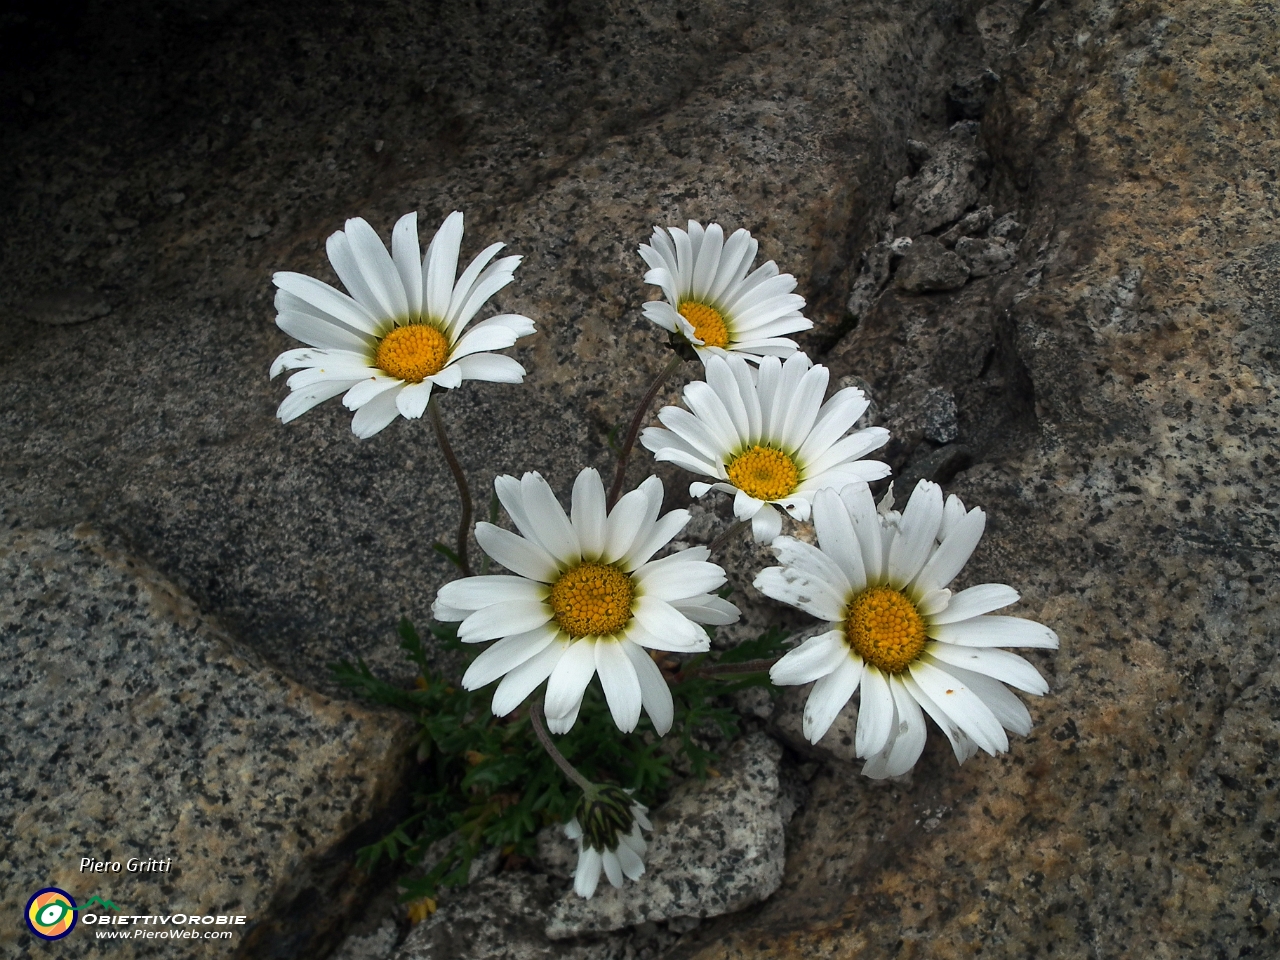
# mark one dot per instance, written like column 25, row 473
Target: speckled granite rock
column 929, row 267
column 131, row 728
column 837, row 743
column 716, row 848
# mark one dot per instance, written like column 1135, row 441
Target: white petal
column 961, row 745
column 524, row 679
column 933, row 603
column 837, row 538
column 654, row 692
column 801, row 591
column 1007, row 708
column 573, row 829
column 548, row 521
column 300, row 401
column 476, row 593
column 450, row 377
column 517, row 554
column 662, row 620
column 329, row 301
column 675, row 581
column 906, row 740
column 805, row 558
column 875, row 713
column 441, row 266
column 708, row 609
column 570, row 678
column 490, row 282
column 491, row 367
column 960, row 703
column 621, row 686
column 976, row 601
column 377, row 268
column 828, row 697
column 484, row 337
column 407, row 255
column 766, row 525
column 991, row 631
column 612, row 868
column 802, row 411
column 915, row 540
column 412, row 400
column 861, row 506
column 375, row 414
column 507, row 654
column 631, row 863
column 364, row 391
column 466, row 283
column 322, row 333
column 632, row 517
column 587, row 877
column 1001, row 664
column 657, row 537
column 504, row 619
column 953, row 553
column 588, row 513
column 814, row 658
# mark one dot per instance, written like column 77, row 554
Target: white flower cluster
column 585, row 596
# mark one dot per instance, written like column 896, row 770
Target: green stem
column 636, row 422
column 544, row 738
column 464, row 492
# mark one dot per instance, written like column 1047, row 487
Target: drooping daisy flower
column 767, row 437
column 586, row 598
column 607, row 828
column 401, row 331
column 712, row 300
column 880, row 579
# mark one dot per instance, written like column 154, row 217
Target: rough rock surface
column 1114, row 389
column 131, row 728
column 716, row 848
column 929, row 267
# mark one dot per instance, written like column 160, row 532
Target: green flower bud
column 604, row 815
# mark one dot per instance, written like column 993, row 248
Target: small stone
column 938, row 419
column 175, row 198
column 917, row 153
column 930, row 267
column 986, row 256
column 67, row 307
column 949, row 183
column 256, row 229
column 1007, row 227
column 717, row 847
column 971, row 223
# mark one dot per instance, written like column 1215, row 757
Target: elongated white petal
column 632, row 865
column 679, row 580
column 378, row 269
column 708, row 609
column 516, row 553
column 655, row 695
column 588, row 513
column 816, row 657
column 441, row 265
column 491, row 367
column 507, row 654
column 994, row 631
column 953, row 553
column 837, row 538
column 570, row 678
column 911, row 547
column 300, row 401
column 1000, row 664
column 975, row 601
column 658, row 536
column 475, row 593
column 906, row 740
column 407, row 255
column 587, row 877
column 962, row 705
column 328, row 300
column 620, row 683
column 548, row 521
column 813, row 562
column 875, row 713
column 766, row 525
column 500, row 620
column 373, row 416
column 524, row 679
column 412, row 400
column 828, row 697
column 1007, row 708
column 802, row 591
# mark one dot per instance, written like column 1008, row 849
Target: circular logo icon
column 51, row 913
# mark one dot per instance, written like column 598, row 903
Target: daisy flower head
column 607, row 827
column 712, row 299
column 880, row 579
column 584, row 597
column 401, row 331
column 766, row 436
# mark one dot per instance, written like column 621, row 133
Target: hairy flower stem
column 747, row 666
column 544, row 738
column 732, row 531
column 464, row 492
column 637, row 421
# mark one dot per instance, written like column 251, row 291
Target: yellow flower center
column 763, row 472
column 413, row 352
column 883, row 627
column 592, row 600
column 708, row 324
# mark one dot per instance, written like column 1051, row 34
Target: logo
column 51, row 913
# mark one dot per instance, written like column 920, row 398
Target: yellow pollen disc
column 883, row 627
column 593, row 600
column 413, row 352
column 763, row 472
column 708, row 324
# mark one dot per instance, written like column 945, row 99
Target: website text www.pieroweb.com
column 172, row 926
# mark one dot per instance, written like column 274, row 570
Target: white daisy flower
column 880, row 579
column 712, row 300
column 611, row 842
column 766, row 437
column 585, row 598
column 401, row 331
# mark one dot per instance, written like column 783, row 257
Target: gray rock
column 949, row 183
column 557, row 855
column 967, row 98
column 378, row 945
column 938, row 420
column 837, row 743
column 986, row 256
column 929, row 267
column 938, row 466
column 1007, row 227
column 132, row 727
column 716, row 848
column 973, row 222
column 66, row 307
